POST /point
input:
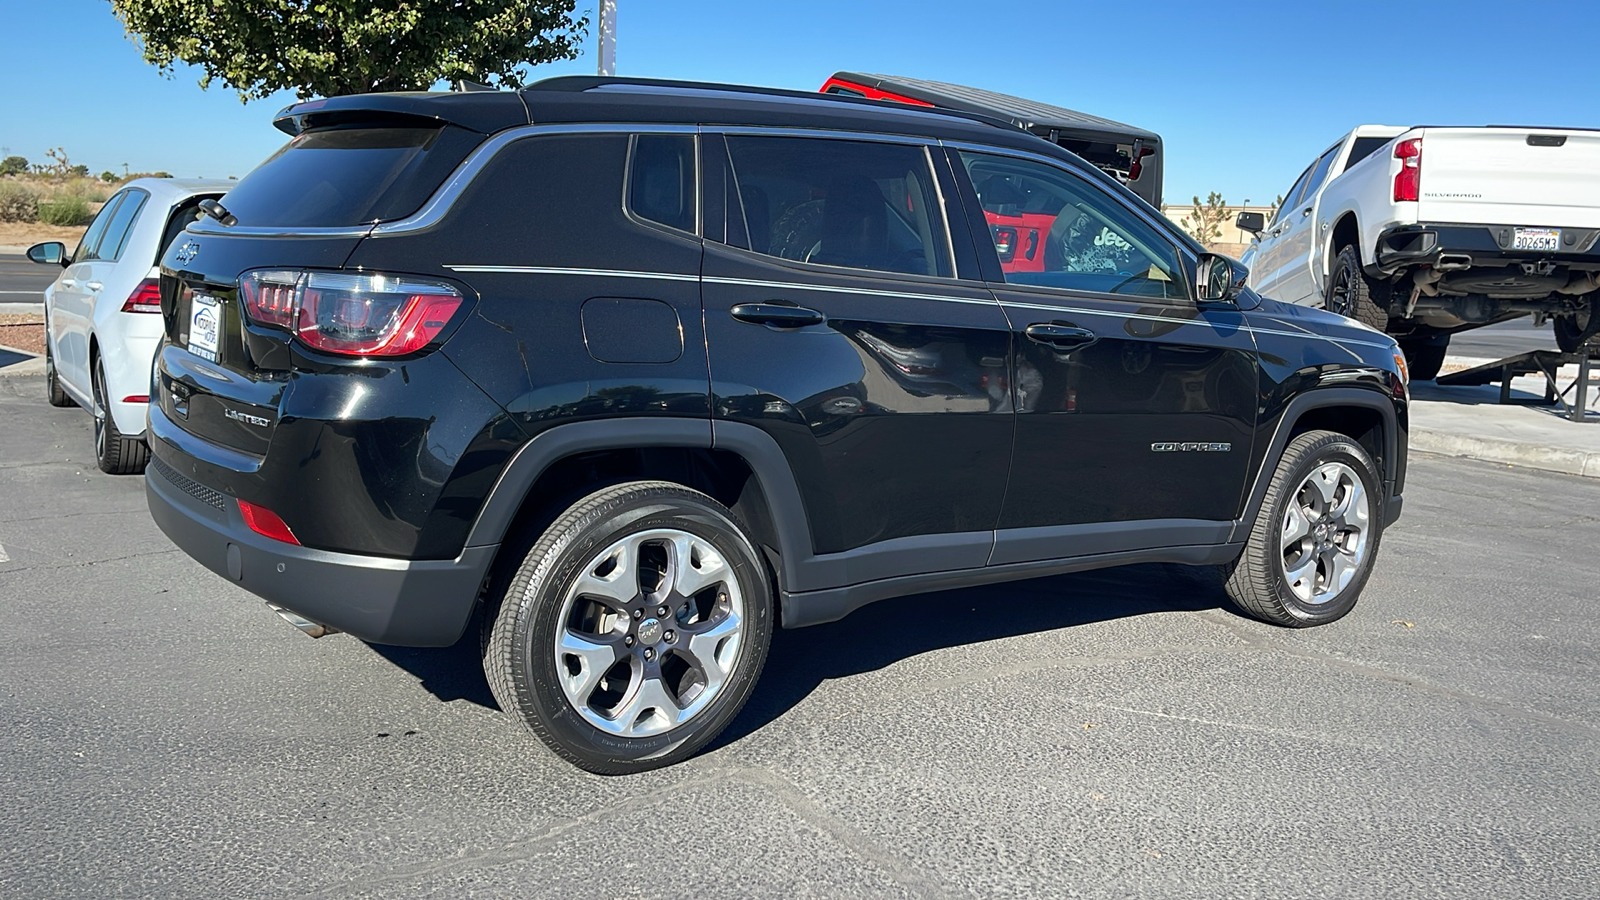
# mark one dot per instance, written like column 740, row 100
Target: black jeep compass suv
column 647, row 368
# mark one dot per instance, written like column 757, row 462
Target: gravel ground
column 22, row 332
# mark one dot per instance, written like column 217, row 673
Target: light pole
column 608, row 37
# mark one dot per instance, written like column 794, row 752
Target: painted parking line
column 3, row 556
column 21, row 292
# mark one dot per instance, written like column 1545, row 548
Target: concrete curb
column 1516, row 453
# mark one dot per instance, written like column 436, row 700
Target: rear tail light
column 1408, row 182
column 356, row 315
column 266, row 523
column 146, row 298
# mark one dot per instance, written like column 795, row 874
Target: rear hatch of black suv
column 283, row 374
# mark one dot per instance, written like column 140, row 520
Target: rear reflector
column 354, row 315
column 146, row 298
column 136, row 398
column 266, row 523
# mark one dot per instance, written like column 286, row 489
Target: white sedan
column 102, row 315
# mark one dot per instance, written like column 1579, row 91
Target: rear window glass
column 349, row 176
column 1363, row 148
column 661, row 179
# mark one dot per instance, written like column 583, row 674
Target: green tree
column 332, row 47
column 1205, row 221
column 13, row 165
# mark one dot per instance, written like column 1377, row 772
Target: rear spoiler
column 484, row 112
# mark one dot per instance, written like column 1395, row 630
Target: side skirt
column 816, row 607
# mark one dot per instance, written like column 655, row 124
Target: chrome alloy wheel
column 100, row 412
column 649, row 633
column 1326, row 532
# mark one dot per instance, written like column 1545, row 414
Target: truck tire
column 1575, row 330
column 1350, row 295
column 1314, row 540
column 634, row 629
column 1424, row 358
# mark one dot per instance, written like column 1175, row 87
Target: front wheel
column 1316, row 536
column 54, row 393
column 634, row 629
column 1575, row 330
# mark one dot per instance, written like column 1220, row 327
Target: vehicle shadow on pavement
column 884, row 633
column 888, row 631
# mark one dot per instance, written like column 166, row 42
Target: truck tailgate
column 1511, row 176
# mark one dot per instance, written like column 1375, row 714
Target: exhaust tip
column 311, row 629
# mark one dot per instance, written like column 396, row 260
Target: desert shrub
column 18, row 203
column 64, row 211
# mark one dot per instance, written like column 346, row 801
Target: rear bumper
column 1488, row 245
column 413, row 603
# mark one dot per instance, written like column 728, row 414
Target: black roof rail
column 581, row 83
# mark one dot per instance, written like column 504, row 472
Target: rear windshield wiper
column 217, row 211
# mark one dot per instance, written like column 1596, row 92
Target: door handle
column 1305, row 212
column 69, row 282
column 777, row 315
column 94, row 285
column 1062, row 337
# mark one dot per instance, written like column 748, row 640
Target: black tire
column 113, row 452
column 53, row 391
column 1575, row 330
column 1425, row 358
column 1350, row 295
column 1258, row 582
column 533, row 681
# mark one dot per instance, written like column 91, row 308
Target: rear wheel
column 1575, row 330
column 634, row 629
column 52, row 382
column 1316, row 536
column 1425, row 357
column 1350, row 295
column 114, row 453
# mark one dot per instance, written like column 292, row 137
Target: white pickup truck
column 1424, row 232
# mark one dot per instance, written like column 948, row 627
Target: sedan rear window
column 349, row 176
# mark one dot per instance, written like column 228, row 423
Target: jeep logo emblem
column 188, row 251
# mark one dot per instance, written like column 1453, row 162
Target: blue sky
column 1245, row 94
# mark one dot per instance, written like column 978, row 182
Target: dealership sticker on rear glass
column 1536, row 239
column 205, row 325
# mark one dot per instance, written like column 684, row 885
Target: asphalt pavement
column 1113, row 734
column 22, row 280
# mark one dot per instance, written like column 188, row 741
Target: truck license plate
column 205, row 326
column 1536, row 239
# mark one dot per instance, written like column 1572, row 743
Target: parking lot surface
column 1119, row 733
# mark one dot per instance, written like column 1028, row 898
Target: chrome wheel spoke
column 694, row 565
column 715, row 648
column 1325, row 532
column 1296, row 524
column 620, row 581
column 592, row 659
column 1302, row 577
column 1324, row 483
column 651, row 708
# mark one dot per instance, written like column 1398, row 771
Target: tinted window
column 97, row 229
column 1363, row 147
column 121, row 226
column 661, row 179
column 1053, row 229
column 1292, row 199
column 856, row 204
column 1318, row 175
column 349, row 176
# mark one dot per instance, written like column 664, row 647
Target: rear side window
column 349, row 176
column 121, row 226
column 661, row 180
column 1362, row 148
column 857, row 204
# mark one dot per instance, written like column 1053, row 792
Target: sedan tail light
column 1408, row 181
column 354, row 315
column 146, row 298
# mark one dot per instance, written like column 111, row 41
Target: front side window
column 1052, row 228
column 661, row 180
column 1319, row 174
column 849, row 203
column 97, row 229
column 120, row 226
column 1291, row 199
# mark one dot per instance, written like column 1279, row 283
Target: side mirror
column 1218, row 279
column 51, row 253
column 1253, row 222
